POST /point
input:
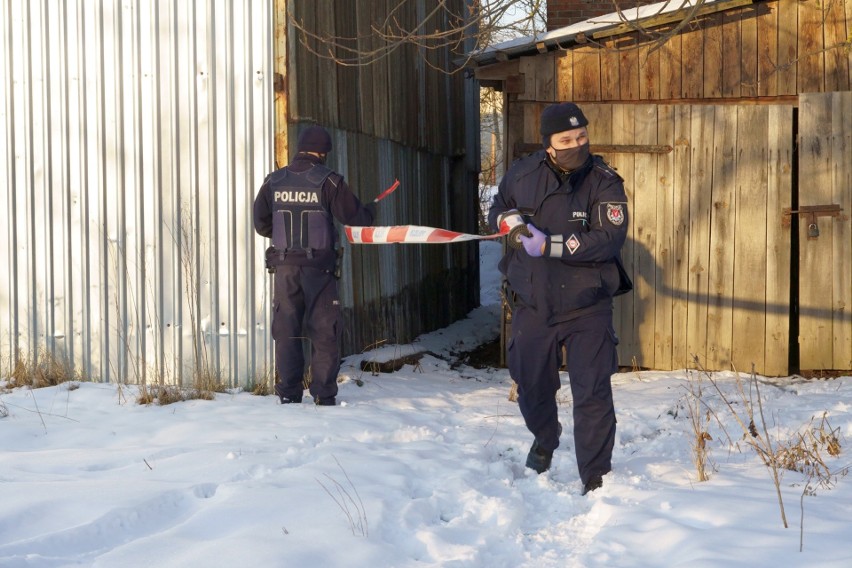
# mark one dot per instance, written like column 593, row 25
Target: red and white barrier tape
column 409, row 234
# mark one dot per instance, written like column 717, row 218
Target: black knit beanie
column 314, row 139
column 559, row 118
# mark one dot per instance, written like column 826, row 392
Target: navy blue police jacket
column 296, row 207
column 584, row 214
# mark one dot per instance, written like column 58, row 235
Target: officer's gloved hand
column 512, row 224
column 534, row 244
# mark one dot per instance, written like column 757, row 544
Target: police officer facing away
column 296, row 207
column 563, row 279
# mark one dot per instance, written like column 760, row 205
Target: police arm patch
column 615, row 213
column 572, row 243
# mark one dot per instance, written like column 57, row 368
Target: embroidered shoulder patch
column 615, row 213
column 572, row 243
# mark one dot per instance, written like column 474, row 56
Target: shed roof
column 608, row 25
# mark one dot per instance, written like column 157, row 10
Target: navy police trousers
column 535, row 355
column 306, row 306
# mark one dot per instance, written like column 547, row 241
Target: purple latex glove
column 533, row 244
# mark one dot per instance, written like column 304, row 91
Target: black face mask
column 570, row 159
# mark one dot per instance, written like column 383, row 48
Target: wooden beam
column 498, row 71
column 527, row 147
column 668, row 18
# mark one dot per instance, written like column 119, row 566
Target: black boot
column 539, row 459
column 594, row 483
column 279, row 390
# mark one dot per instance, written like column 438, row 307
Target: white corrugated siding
column 135, row 135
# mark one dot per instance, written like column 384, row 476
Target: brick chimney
column 561, row 13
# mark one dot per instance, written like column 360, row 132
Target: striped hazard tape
column 409, row 234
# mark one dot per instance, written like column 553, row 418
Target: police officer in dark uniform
column 562, row 276
column 296, row 207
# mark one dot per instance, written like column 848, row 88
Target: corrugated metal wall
column 402, row 117
column 135, row 134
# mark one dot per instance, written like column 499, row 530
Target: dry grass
column 751, row 403
column 262, row 383
column 204, row 387
column 700, row 419
column 44, row 369
column 807, row 451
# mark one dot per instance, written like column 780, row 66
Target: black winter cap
column 559, row 118
column 314, row 139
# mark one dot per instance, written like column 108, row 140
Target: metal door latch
column 810, row 213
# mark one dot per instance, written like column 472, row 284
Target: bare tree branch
column 479, row 24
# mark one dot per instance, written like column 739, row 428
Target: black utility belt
column 321, row 258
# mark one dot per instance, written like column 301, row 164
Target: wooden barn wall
column 707, row 251
column 766, row 49
column 397, row 118
column 712, row 262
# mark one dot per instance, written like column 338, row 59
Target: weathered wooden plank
column 848, row 51
column 409, row 68
column 645, row 232
column 608, row 148
column 628, row 69
column 713, row 58
column 778, row 195
column 565, row 76
column 501, row 71
column 514, row 128
column 610, row 81
column 664, row 243
column 532, row 121
column 767, row 51
column 649, row 73
column 748, row 67
column 587, row 74
column 382, row 71
column 658, row 20
column 623, row 131
column 692, row 64
column 600, row 126
column 528, row 68
column 366, row 74
column 680, row 258
column 282, row 93
column 326, row 68
column 841, row 232
column 811, row 63
column 304, row 80
column 788, row 29
column 815, row 255
column 431, row 100
column 722, row 238
column 670, row 70
column 347, row 100
column 545, row 84
column 837, row 70
column 732, row 53
column 749, row 243
column 700, row 204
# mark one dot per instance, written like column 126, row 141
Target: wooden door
column 825, row 251
column 709, row 256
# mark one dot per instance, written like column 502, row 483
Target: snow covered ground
column 420, row 467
